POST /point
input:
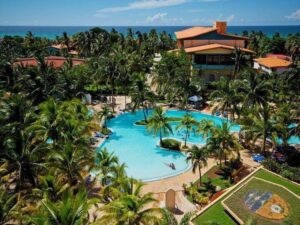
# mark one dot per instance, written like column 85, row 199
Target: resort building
column 211, row 49
column 59, row 48
column 54, row 61
column 273, row 63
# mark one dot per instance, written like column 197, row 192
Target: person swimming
column 171, row 165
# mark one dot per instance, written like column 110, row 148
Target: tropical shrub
column 291, row 173
column 106, row 131
column 201, row 200
column 171, row 144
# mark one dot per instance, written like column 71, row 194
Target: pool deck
column 160, row 187
column 176, row 182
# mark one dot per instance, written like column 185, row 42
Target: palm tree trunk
column 145, row 116
column 112, row 94
column 263, row 147
column 160, row 136
column 186, row 136
column 125, row 102
column 200, row 176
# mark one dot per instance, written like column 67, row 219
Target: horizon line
column 252, row 25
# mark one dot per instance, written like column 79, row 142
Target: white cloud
column 158, row 16
column 162, row 19
column 295, row 15
column 143, row 4
column 230, row 18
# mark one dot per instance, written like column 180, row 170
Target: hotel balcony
column 213, row 62
column 212, row 67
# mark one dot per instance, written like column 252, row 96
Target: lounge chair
column 258, row 158
column 98, row 135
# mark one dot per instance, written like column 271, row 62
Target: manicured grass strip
column 216, row 214
column 263, row 174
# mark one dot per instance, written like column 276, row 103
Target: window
column 213, row 60
column 200, row 59
column 226, row 60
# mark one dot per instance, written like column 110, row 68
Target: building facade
column 270, row 65
column 211, row 49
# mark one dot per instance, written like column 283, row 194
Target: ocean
column 52, row 31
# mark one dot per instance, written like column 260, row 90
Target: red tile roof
column 213, row 46
column 55, row 61
column 196, row 31
column 273, row 62
column 193, row 32
column 279, row 56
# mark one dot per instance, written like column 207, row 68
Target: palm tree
column 141, row 94
column 17, row 147
column 66, row 41
column 205, row 127
column 61, row 121
column 283, row 121
column 105, row 162
column 72, row 209
column 226, row 98
column 111, row 69
column 169, row 218
column 258, row 124
column 198, row 158
column 8, row 205
column 159, row 123
column 227, row 141
column 253, row 88
column 187, row 122
column 131, row 209
column 239, row 60
column 51, row 188
column 71, row 160
column 173, row 77
column 104, row 114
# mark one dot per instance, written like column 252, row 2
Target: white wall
column 260, row 67
column 268, row 70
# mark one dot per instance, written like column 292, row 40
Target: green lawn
column 273, row 178
column 217, row 214
column 214, row 214
column 236, row 203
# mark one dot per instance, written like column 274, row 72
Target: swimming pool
column 138, row 149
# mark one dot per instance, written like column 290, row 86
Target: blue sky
column 148, row 12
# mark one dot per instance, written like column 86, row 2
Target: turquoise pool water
column 293, row 140
column 139, row 151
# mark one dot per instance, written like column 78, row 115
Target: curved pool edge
column 165, row 176
column 147, row 180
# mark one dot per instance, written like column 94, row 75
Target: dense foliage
column 45, row 152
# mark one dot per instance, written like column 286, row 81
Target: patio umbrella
column 195, row 98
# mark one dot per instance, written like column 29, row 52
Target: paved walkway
column 176, row 182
